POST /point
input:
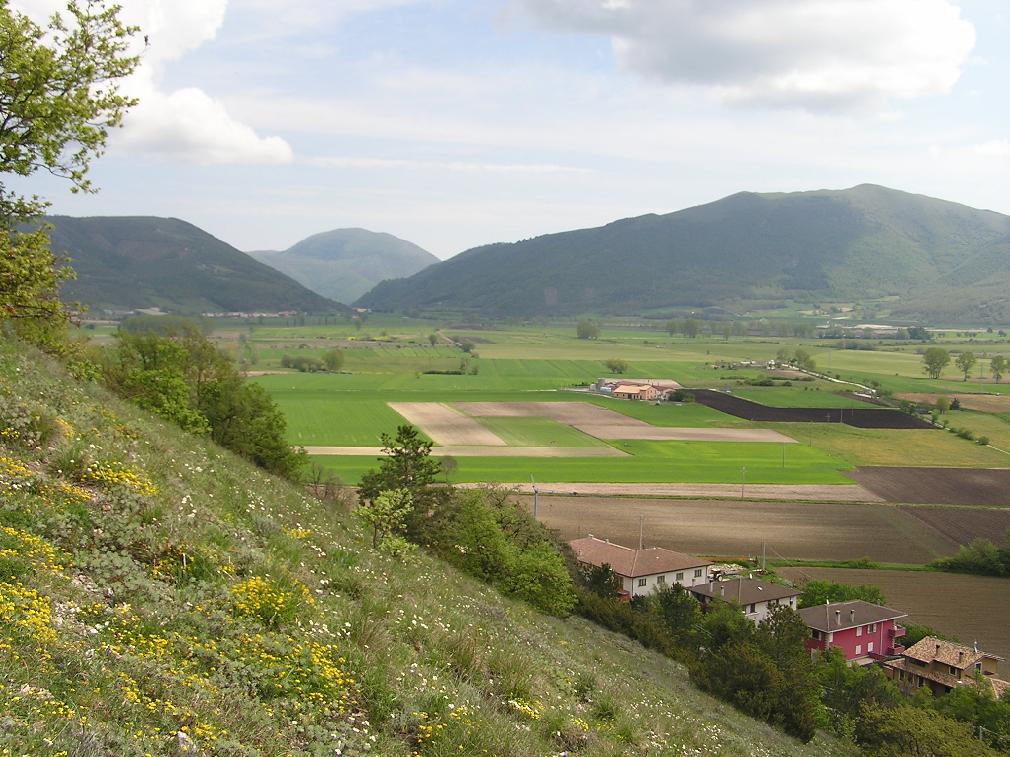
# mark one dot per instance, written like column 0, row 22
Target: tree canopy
column 934, row 360
column 59, row 97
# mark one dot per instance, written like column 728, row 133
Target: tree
column 386, row 515
column 58, row 97
column 586, row 329
column 909, row 730
column 934, row 360
column 821, row 592
column 998, row 365
column 538, row 575
column 965, row 362
column 802, row 359
column 942, row 404
column 617, row 365
column 433, row 339
column 333, row 360
column 691, row 328
column 407, row 464
column 672, row 326
column 602, row 581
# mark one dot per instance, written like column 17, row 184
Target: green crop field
column 538, row 432
column 801, row 395
column 651, row 462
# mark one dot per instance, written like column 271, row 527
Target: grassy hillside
column 160, row 596
column 141, row 262
column 343, row 264
column 855, row 244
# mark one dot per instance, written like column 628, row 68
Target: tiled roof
column 745, row 591
column 999, row 686
column 633, row 563
column 841, row 615
column 946, row 653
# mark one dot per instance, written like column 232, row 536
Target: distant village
column 865, row 633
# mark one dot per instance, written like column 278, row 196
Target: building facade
column 859, row 630
column 755, row 597
column 642, row 571
column 943, row 665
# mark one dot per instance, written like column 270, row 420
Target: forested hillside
column 855, row 244
column 146, row 262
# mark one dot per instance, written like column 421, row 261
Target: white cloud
column 994, row 148
column 817, row 54
column 186, row 123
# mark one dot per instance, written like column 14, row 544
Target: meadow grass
column 222, row 604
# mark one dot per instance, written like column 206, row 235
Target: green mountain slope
column 161, row 596
column 343, row 264
column 859, row 243
column 143, row 262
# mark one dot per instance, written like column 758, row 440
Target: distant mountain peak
column 345, row 263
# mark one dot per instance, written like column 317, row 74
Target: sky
column 454, row 123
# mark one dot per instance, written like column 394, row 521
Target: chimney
column 852, row 616
column 722, row 591
column 960, row 656
column 838, row 617
column 938, row 648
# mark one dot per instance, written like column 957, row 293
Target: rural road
column 776, row 492
column 480, row 451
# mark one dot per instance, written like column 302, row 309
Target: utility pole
column 535, row 497
column 641, row 531
column 764, row 557
column 743, row 479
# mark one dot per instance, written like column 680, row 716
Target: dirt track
column 610, row 425
column 477, row 451
column 447, row 426
column 775, row 492
column 858, row 417
column 939, row 486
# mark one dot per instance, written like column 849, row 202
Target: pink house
column 862, row 631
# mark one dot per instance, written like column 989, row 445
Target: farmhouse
column 860, row 630
column 641, row 570
column 943, row 665
column 636, row 392
column 756, row 598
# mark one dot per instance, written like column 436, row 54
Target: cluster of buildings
column 635, row 389
column 865, row 633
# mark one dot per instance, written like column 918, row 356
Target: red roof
column 633, row 563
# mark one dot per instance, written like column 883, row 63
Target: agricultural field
column 970, row 608
column 396, row 360
column 738, row 528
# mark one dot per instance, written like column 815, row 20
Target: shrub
column 268, row 601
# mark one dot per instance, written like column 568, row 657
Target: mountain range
column 933, row 258
column 125, row 263
column 343, row 264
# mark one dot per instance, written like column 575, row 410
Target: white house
column 642, row 570
column 755, row 597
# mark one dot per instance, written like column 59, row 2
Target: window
column 815, row 634
column 952, row 669
column 978, row 667
column 698, row 572
column 869, row 647
column 859, row 630
column 859, row 649
column 643, row 581
column 660, row 579
column 680, row 577
column 873, row 627
column 751, row 608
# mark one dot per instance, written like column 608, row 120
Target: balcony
column 895, row 632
